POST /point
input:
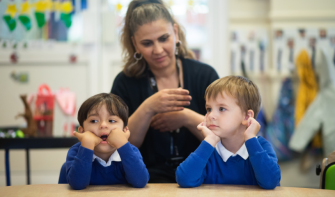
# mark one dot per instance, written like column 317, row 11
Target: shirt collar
column 114, row 157
column 225, row 154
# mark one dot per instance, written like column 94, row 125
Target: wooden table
column 32, row 143
column 156, row 190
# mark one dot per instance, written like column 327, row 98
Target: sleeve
column 264, row 162
column 213, row 75
column 79, row 167
column 135, row 170
column 308, row 126
column 192, row 172
column 119, row 88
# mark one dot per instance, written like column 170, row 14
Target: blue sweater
column 206, row 166
column 81, row 171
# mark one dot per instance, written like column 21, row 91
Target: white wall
column 100, row 61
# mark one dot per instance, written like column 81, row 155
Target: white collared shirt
column 225, row 154
column 114, row 157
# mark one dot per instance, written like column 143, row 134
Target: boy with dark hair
column 231, row 153
column 104, row 156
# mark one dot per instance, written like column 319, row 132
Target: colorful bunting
column 24, row 15
column 9, row 16
column 66, row 9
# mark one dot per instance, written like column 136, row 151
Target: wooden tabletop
column 156, row 190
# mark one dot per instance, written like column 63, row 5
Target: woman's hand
column 168, row 121
column 168, row 100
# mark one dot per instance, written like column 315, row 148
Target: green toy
column 327, row 172
column 19, row 134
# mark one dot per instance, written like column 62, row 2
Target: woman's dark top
column 157, row 149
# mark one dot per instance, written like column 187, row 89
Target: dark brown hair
column 141, row 12
column 115, row 106
column 242, row 89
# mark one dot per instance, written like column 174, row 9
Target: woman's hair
column 141, row 12
column 242, row 89
column 114, row 104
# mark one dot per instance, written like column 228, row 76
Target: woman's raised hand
column 169, row 100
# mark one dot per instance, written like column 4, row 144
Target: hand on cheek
column 118, row 137
column 252, row 130
column 87, row 139
column 210, row 137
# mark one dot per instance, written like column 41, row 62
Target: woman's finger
column 156, row 123
column 154, row 119
column 177, row 91
column 173, row 108
column 179, row 98
column 178, row 103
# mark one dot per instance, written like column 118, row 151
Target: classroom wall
column 101, row 62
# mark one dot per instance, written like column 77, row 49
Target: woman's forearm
column 139, row 123
column 192, row 119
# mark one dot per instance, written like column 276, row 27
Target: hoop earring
column 136, row 58
column 178, row 44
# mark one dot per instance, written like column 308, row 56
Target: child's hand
column 210, row 137
column 118, row 138
column 252, row 130
column 87, row 139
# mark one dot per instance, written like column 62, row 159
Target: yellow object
column 25, row 8
column 11, row 10
column 43, row 5
column 57, row 6
column 118, row 7
column 171, row 2
column 190, row 3
column 308, row 89
column 66, row 7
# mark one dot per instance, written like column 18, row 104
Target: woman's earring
column 136, row 58
column 178, row 44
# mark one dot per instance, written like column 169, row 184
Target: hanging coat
column 307, row 89
column 308, row 86
column 321, row 112
column 279, row 131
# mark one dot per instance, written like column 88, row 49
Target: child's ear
column 250, row 113
column 80, row 129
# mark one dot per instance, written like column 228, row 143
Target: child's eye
column 208, row 109
column 93, row 121
column 222, row 109
column 112, row 121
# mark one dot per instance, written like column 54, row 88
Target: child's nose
column 212, row 116
column 103, row 125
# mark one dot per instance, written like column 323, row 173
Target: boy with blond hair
column 231, row 153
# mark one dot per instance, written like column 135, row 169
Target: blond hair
column 141, row 12
column 242, row 89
